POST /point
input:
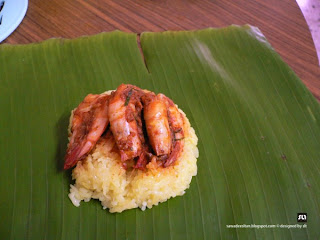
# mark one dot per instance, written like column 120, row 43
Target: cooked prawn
column 157, row 125
column 176, row 125
column 89, row 121
column 124, row 111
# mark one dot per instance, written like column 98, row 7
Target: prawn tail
column 72, row 157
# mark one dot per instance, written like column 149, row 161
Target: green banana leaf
column 257, row 124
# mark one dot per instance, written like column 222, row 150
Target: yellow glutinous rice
column 102, row 176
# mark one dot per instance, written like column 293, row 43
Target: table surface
column 280, row 21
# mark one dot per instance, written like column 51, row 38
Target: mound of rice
column 102, row 176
